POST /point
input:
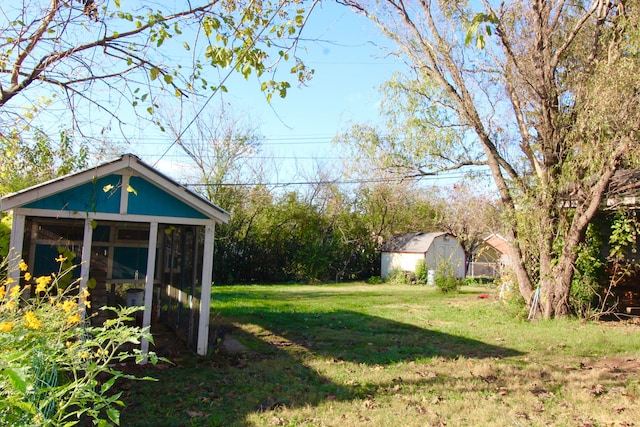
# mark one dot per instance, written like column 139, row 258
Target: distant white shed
column 402, row 253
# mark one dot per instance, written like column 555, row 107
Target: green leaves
column 479, row 32
column 153, row 73
column 17, row 378
column 624, row 232
column 210, row 25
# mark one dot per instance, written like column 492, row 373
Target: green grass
column 357, row 354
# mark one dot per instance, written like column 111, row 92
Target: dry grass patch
column 489, row 393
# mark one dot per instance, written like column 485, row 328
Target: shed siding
column 447, row 250
column 394, row 261
column 87, row 197
column 151, row 200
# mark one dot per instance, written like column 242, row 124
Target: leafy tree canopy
column 93, row 65
column 545, row 95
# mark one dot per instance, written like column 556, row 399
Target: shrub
column 422, row 272
column 401, row 277
column 375, row 280
column 589, row 274
column 445, row 278
column 56, row 369
column 5, row 234
column 479, row 281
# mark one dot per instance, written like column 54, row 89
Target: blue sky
column 342, row 48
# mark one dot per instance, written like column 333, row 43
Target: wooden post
column 148, row 286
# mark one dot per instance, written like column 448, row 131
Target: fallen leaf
column 597, row 390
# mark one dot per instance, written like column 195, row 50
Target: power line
column 272, row 140
column 339, row 182
column 214, row 92
column 306, row 157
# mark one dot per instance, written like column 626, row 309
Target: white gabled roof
column 411, row 242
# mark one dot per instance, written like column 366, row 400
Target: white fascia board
column 57, row 185
column 116, row 217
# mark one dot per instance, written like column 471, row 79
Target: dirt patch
column 614, row 364
column 231, row 345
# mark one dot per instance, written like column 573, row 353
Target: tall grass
column 357, row 354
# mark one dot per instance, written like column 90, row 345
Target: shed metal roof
column 498, row 242
column 411, row 242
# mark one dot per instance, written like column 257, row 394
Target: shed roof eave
column 125, row 162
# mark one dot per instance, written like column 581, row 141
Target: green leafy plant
column 586, row 283
column 622, row 262
column 512, row 301
column 375, row 280
column 5, row 234
column 56, row 369
column 400, row 277
column 422, row 271
column 445, row 278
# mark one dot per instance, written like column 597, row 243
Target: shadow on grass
column 224, row 389
column 360, row 338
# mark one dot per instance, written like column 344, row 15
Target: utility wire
column 214, row 92
column 338, row 182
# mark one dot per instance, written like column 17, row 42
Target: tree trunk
column 518, row 265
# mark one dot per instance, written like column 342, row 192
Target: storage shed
column 402, row 253
column 490, row 258
column 137, row 235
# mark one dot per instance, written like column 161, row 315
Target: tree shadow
column 356, row 337
column 224, row 389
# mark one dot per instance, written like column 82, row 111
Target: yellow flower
column 9, row 280
column 23, row 265
column 31, row 321
column 3, row 291
column 6, row 326
column 42, row 282
column 74, row 319
column 69, row 305
column 61, row 259
column 15, row 292
column 27, row 276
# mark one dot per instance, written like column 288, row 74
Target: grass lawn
column 390, row 355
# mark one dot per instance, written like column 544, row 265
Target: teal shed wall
column 149, row 199
column 88, row 197
column 103, row 196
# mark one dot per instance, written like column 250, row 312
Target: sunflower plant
column 55, row 368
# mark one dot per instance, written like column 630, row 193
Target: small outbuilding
column 137, row 237
column 491, row 257
column 404, row 252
